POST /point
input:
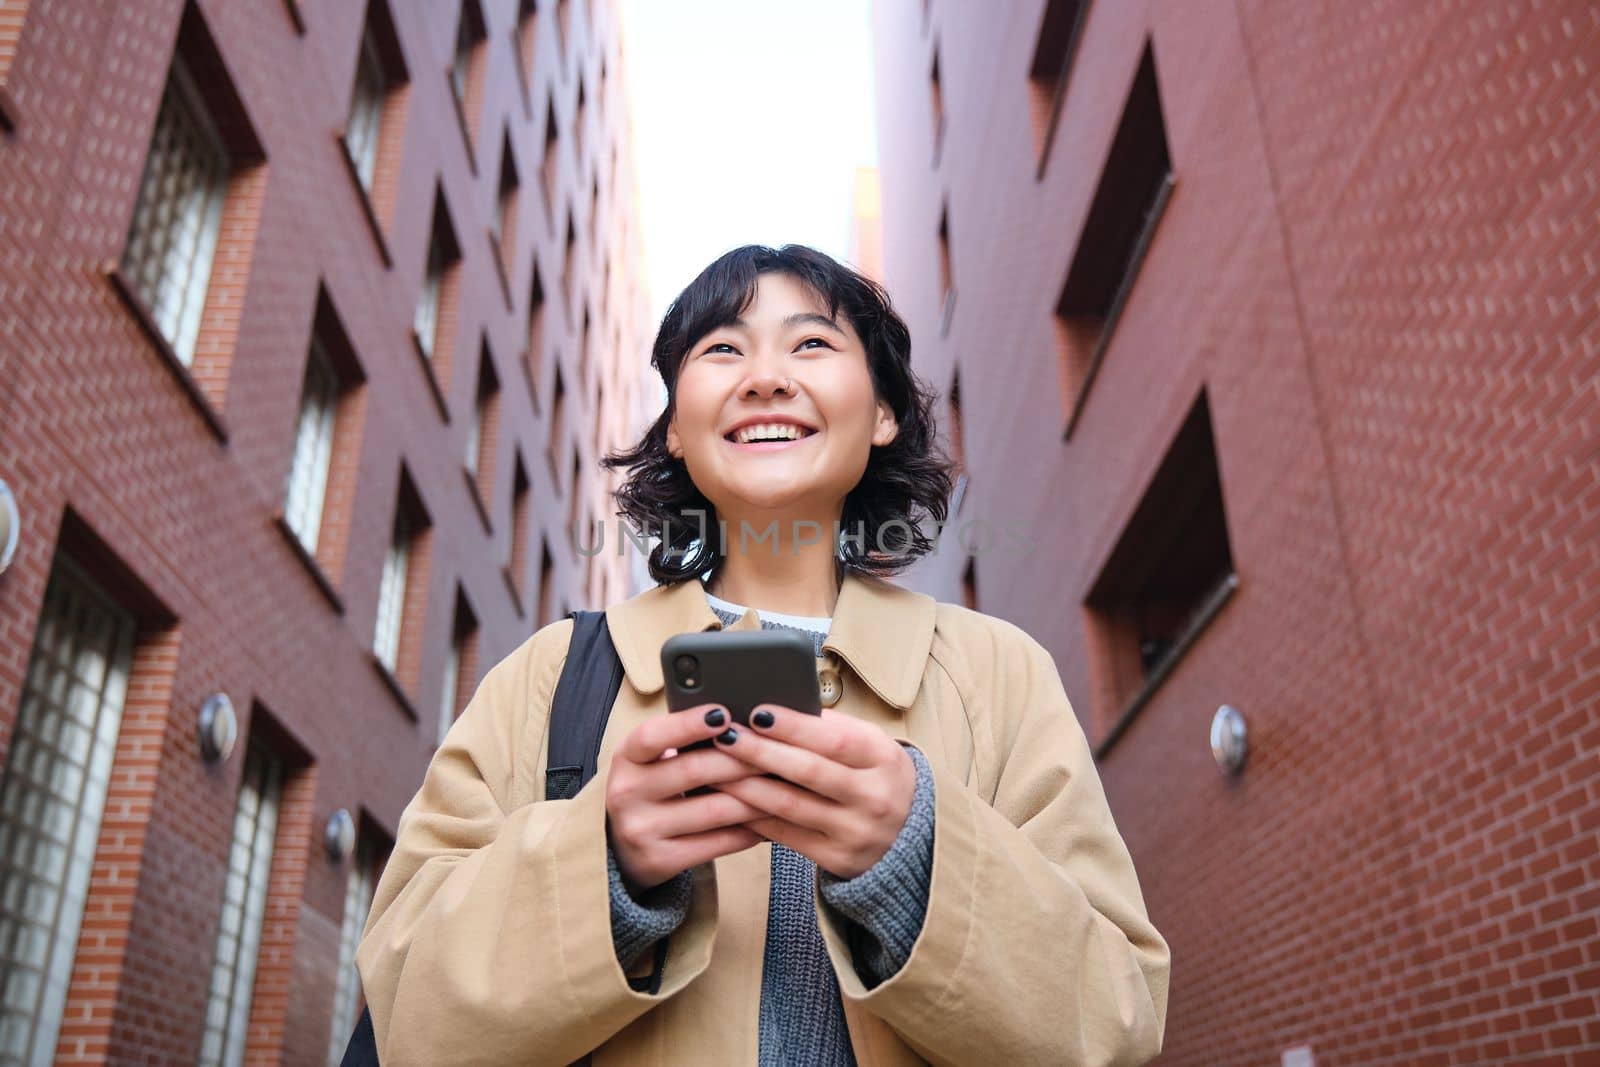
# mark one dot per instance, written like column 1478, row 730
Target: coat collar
column 881, row 630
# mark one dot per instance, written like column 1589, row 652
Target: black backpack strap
column 589, row 683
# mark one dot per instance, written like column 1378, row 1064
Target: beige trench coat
column 489, row 939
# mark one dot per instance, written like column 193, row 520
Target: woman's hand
column 846, row 789
column 657, row 832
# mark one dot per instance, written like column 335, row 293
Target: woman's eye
column 815, row 340
column 719, row 344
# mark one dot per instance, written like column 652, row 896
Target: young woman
column 927, row 873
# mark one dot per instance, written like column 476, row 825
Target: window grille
column 244, row 903
column 51, row 803
column 178, row 215
column 427, row 319
column 366, row 110
column 452, row 680
column 392, row 594
column 347, row 985
column 313, row 448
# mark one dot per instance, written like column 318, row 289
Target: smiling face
column 775, row 413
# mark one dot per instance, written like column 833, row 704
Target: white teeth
column 769, row 431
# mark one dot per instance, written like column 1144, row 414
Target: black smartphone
column 741, row 670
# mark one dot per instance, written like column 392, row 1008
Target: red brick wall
column 1377, row 261
column 92, row 419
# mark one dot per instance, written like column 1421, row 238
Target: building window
column 558, row 429
column 527, row 38
column 533, row 352
column 402, row 593
column 10, row 34
column 1053, row 50
column 178, row 217
column 518, row 565
column 563, row 28
column 431, row 324
column 505, row 201
column 578, row 125
column 1128, row 203
column 366, row 109
column 583, row 352
column 1168, row 575
column 392, row 592
column 574, row 504
column 372, row 134
column 466, row 70
column 548, row 163
column 57, row 774
column 426, row 323
column 947, row 289
column 484, row 428
column 460, row 665
column 594, row 210
column 958, row 444
column 547, row 581
column 318, row 484
column 569, row 266
column 392, row 586
column 358, row 889
column 313, row 447
column 244, row 903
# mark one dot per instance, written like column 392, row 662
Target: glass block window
column 463, row 57
column 392, row 593
column 244, row 903
column 366, row 109
column 178, row 215
column 426, row 322
column 447, row 693
column 313, row 448
column 475, row 434
column 347, row 984
column 51, row 803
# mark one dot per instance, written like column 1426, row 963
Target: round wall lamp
column 1230, row 741
column 10, row 526
column 340, row 836
column 218, row 728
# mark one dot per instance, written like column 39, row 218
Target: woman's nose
column 766, row 378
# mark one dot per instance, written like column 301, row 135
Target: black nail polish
column 728, row 736
column 716, row 717
column 762, row 718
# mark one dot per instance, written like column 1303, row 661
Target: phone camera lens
column 688, row 669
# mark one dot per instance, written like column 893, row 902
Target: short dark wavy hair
column 905, row 482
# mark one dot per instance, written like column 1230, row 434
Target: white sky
column 750, row 118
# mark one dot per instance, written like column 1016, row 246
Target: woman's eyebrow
column 799, row 318
column 811, row 318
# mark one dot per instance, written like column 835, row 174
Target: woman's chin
column 761, row 501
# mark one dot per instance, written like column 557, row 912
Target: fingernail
column 762, row 718
column 728, row 736
column 716, row 717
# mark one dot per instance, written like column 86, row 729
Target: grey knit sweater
column 802, row 1016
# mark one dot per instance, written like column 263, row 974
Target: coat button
column 831, row 685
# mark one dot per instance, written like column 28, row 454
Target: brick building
column 314, row 317
column 1271, row 327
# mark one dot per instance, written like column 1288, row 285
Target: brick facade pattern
column 1378, row 261
column 171, row 490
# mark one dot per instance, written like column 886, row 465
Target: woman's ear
column 887, row 428
column 674, row 443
